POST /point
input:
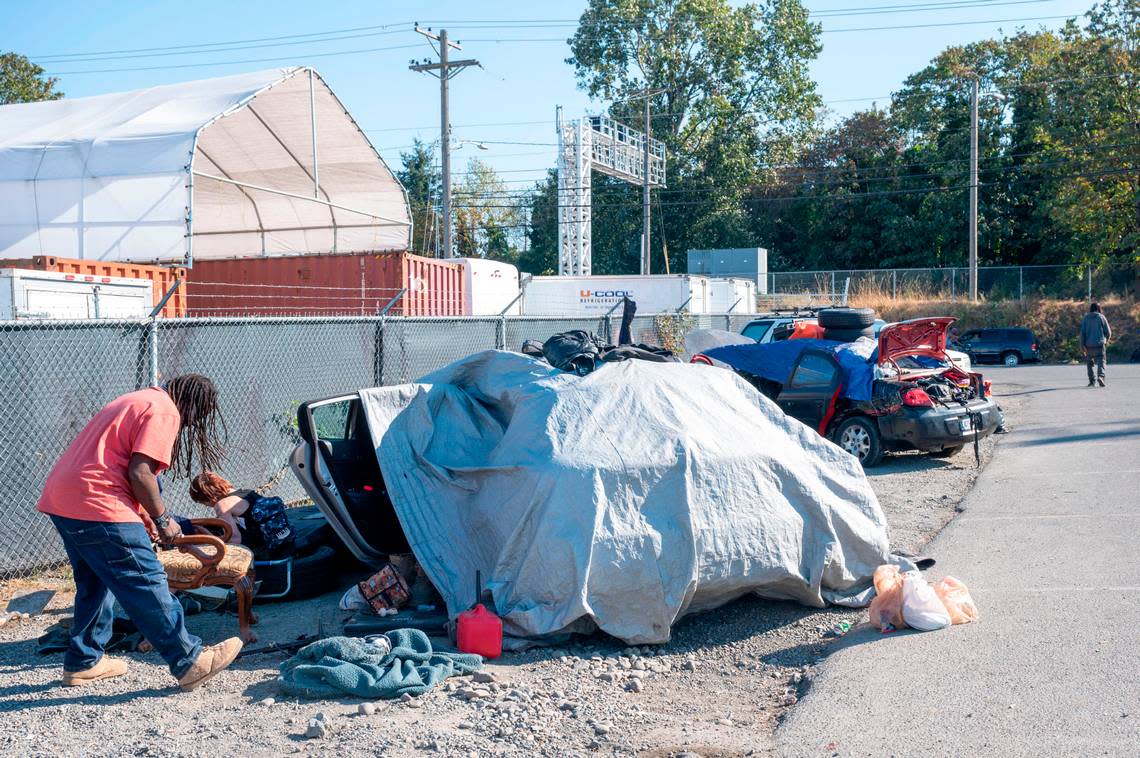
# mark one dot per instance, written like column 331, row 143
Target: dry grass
column 1055, row 322
column 58, row 579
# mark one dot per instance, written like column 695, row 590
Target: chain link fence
column 1071, row 282
column 56, row 375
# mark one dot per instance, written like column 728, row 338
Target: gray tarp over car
column 623, row 499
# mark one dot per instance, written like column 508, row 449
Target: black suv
column 1008, row 346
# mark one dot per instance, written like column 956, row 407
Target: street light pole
column 974, row 190
column 645, row 225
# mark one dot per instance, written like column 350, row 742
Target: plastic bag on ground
column 886, row 608
column 922, row 609
column 956, row 598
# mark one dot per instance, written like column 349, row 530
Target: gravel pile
column 718, row 688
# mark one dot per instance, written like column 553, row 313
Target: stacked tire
column 847, row 324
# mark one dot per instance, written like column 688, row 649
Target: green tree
column 737, row 95
column 421, row 180
column 541, row 256
column 22, row 81
column 488, row 217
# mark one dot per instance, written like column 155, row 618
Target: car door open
column 812, row 389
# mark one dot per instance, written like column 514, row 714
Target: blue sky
column 521, row 81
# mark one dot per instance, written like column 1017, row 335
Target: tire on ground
column 1010, row 358
column 846, row 318
column 859, row 436
column 848, row 335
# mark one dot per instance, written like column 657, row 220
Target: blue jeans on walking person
column 116, row 561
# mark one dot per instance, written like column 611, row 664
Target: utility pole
column 444, row 70
column 974, row 189
column 647, row 93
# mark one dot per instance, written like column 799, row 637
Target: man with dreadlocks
column 104, row 498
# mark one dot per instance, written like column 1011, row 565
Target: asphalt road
column 1049, row 545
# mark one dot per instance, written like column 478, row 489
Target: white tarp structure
column 621, row 500
column 258, row 164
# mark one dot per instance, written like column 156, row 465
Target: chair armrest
column 206, row 525
column 189, row 544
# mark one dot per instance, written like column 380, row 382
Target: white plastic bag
column 922, row 609
column 352, row 600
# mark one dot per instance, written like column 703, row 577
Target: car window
column 813, row 370
column 757, row 329
column 331, row 420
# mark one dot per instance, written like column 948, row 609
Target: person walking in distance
column 1095, row 334
column 104, row 499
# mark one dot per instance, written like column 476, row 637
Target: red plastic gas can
column 480, row 631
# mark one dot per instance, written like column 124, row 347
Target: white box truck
column 489, row 287
column 732, row 296
column 25, row 293
column 598, row 295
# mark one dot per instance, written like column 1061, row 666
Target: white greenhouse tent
column 259, row 164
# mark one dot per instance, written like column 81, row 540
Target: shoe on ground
column 104, row 669
column 1100, row 382
column 1092, row 384
column 210, row 661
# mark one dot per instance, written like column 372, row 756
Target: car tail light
column 987, row 388
column 1033, row 347
column 916, row 397
column 701, row 359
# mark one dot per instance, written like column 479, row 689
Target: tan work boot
column 210, row 661
column 104, row 669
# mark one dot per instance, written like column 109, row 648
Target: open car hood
column 920, row 336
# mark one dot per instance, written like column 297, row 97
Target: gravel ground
column 717, row 689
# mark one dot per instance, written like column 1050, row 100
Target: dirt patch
column 717, row 689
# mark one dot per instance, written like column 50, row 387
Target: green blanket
column 338, row 666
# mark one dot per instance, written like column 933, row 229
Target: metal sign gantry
column 596, row 143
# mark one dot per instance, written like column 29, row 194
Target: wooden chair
column 204, row 559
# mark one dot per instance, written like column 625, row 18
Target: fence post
column 378, row 369
column 728, row 322
column 1089, row 266
column 894, row 284
column 832, row 285
column 501, row 333
column 953, row 282
column 152, row 352
column 1021, row 282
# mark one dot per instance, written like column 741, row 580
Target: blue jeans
column 112, row 559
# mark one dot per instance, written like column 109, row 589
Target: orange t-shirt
column 89, row 482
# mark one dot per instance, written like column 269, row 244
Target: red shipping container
column 360, row 284
column 160, row 277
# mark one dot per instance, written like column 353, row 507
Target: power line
column 507, row 23
column 229, row 49
column 214, row 44
column 230, row 63
column 832, row 198
column 899, row 27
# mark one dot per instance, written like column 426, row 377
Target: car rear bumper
column 938, row 428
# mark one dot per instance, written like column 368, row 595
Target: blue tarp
column 774, row 361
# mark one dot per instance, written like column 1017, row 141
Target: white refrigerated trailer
column 25, row 294
column 598, row 295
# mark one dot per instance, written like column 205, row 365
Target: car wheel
column 946, row 452
column 1010, row 359
column 846, row 318
column 859, row 436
